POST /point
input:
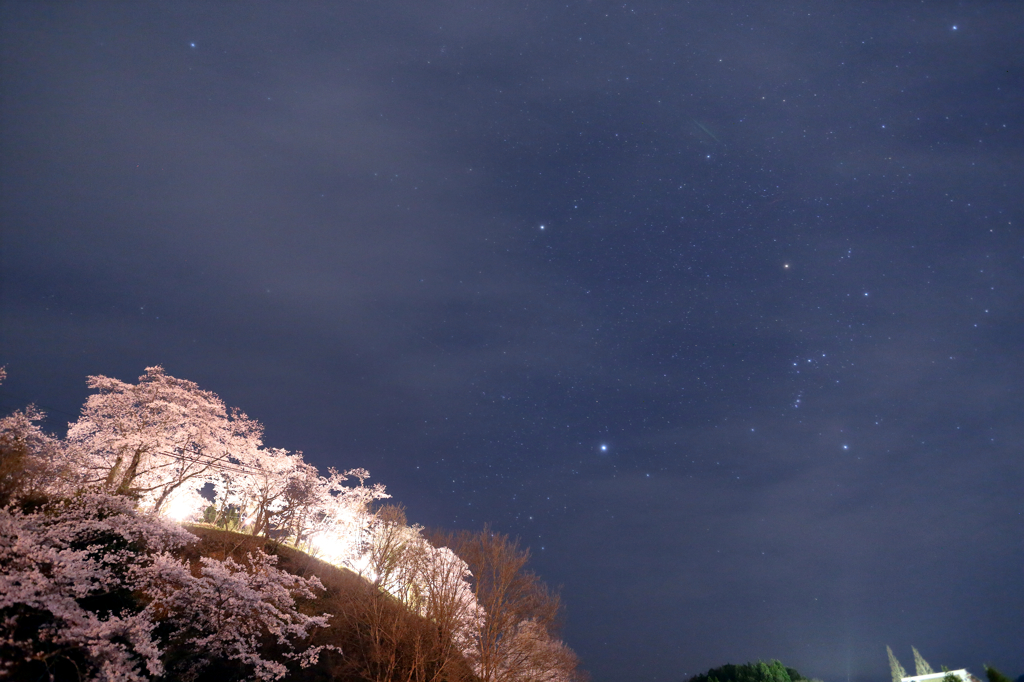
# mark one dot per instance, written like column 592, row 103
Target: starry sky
column 717, row 306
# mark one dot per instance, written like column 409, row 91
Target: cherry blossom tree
column 66, row 589
column 153, row 438
column 163, row 439
column 92, row 589
column 31, row 461
column 231, row 612
column 257, row 483
column 332, row 519
column 301, row 498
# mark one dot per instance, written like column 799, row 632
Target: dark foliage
column 996, row 676
column 53, row 661
column 773, row 671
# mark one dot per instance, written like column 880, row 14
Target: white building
column 937, row 677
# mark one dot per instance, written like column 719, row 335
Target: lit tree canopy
column 149, row 439
column 92, row 589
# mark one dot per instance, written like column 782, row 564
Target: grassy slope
column 220, row 544
column 345, row 599
column 342, row 588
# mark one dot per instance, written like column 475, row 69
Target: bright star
column 604, row 448
column 192, row 44
column 542, row 227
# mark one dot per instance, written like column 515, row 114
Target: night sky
column 716, row 305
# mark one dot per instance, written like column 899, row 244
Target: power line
column 224, row 464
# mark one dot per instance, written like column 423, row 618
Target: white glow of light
column 333, row 547
column 542, row 227
column 179, row 509
column 604, row 448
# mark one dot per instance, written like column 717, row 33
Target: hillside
column 380, row 638
column 101, row 581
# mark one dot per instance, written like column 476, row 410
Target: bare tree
column 391, row 642
column 391, row 554
column 419, row 615
column 515, row 638
column 545, row 659
column 448, row 603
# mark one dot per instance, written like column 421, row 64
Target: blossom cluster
column 94, row 587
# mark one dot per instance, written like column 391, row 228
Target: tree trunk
column 168, row 489
column 124, row 487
